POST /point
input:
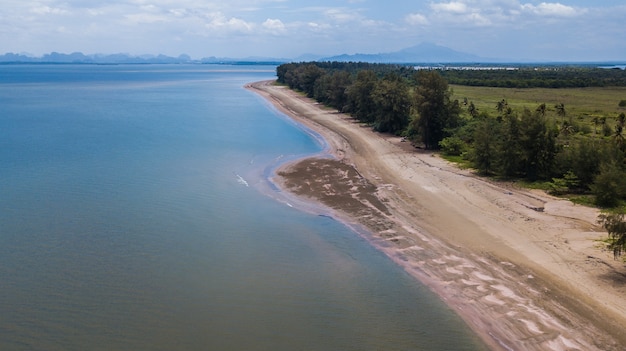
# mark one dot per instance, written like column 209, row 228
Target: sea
column 133, row 217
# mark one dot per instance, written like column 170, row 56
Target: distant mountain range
column 424, row 53
column 421, row 53
column 80, row 58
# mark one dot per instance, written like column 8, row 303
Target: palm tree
column 501, row 106
column 473, row 111
column 560, row 111
column 541, row 110
column 619, row 129
column 567, row 128
column 596, row 121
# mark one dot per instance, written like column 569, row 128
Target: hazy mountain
column 246, row 60
column 421, row 53
column 79, row 57
column 308, row 58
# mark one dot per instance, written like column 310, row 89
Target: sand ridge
column 525, row 270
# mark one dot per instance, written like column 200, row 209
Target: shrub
column 609, row 186
column 452, row 146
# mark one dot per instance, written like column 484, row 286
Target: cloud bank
column 564, row 30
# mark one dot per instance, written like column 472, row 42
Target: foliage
column 573, row 142
column 509, row 156
column 436, row 114
column 537, row 77
column 452, row 146
column 562, row 186
column 616, row 228
column 582, row 159
column 609, row 185
column 359, row 94
column 484, row 153
column 391, row 97
column 538, row 145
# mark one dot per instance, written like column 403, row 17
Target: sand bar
column 525, row 270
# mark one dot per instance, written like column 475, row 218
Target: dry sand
column 525, row 270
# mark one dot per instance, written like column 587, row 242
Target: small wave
column 241, row 181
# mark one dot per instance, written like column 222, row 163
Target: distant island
column 80, row 58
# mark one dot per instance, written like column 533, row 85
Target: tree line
column 539, row 145
column 388, row 97
column 525, row 145
column 538, row 77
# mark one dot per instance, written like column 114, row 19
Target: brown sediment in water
column 523, row 269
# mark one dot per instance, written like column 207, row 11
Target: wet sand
column 525, row 270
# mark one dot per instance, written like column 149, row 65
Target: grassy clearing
column 582, row 106
column 580, row 103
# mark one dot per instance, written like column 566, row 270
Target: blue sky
column 570, row 30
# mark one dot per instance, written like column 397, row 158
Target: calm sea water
column 131, row 219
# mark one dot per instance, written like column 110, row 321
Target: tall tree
column 393, row 104
column 538, row 141
column 307, row 76
column 330, row 89
column 484, row 154
column 359, row 94
column 509, row 146
column 436, row 113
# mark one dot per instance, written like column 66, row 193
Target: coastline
column 523, row 269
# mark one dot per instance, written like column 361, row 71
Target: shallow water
column 131, row 219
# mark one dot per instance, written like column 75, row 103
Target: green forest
column 538, row 77
column 582, row 157
column 544, row 144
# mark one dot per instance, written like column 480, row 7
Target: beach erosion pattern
column 136, row 214
column 527, row 271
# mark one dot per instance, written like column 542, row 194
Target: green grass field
column 580, row 103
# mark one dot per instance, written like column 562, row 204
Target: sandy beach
column 525, row 270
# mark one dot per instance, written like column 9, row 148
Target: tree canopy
column 436, row 114
column 540, row 144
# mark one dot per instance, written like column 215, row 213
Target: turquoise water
column 131, row 219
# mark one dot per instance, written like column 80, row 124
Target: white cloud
column 274, row 26
column 318, row 27
column 47, row 10
column 416, row 19
column 140, row 18
column 452, row 7
column 460, row 14
column 478, row 19
column 552, row 9
column 341, row 15
column 223, row 25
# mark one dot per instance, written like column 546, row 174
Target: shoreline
column 522, row 268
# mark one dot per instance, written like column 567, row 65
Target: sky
column 567, row 30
